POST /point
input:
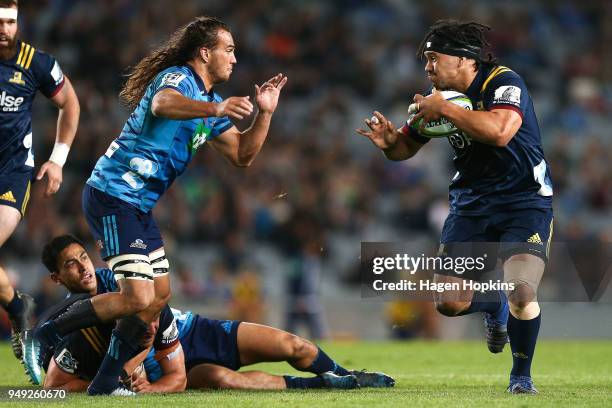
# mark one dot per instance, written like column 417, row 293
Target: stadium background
column 284, row 234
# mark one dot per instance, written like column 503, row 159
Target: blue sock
column 523, row 336
column 490, row 302
column 303, row 383
column 15, row 306
column 322, row 364
column 124, row 344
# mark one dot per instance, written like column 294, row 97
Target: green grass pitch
column 441, row 374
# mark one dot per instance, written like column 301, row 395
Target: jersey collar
column 199, row 81
column 474, row 88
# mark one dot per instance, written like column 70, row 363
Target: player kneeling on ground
column 208, row 356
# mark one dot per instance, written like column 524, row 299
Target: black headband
column 444, row 46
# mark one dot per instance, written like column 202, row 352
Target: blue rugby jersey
column 21, row 77
column 141, row 164
column 184, row 321
column 491, row 179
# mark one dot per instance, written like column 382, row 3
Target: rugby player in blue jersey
column 24, row 70
column 502, row 191
column 212, row 350
column 176, row 110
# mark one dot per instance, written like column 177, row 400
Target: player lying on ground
column 502, row 192
column 212, row 351
column 176, row 111
column 24, row 71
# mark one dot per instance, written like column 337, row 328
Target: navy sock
column 15, row 306
column 322, row 364
column 490, row 302
column 124, row 344
column 303, row 383
column 523, row 336
column 79, row 315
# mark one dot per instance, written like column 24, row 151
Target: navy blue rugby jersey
column 492, row 179
column 21, row 77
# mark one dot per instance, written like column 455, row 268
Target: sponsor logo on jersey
column 57, row 74
column 199, row 137
column 17, row 79
column 8, row 196
column 66, row 362
column 138, row 244
column 508, row 95
column 535, row 239
column 10, row 103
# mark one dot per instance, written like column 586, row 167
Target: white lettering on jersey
column 57, row 74
column 172, row 79
column 66, row 362
column 10, row 103
column 508, row 95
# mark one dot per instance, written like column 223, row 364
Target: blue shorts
column 15, row 188
column 498, row 235
column 119, row 228
column 213, row 342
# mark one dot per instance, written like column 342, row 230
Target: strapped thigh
column 131, row 266
column 159, row 262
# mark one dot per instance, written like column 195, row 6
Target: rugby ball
column 443, row 127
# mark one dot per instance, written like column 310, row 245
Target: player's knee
column 296, row 347
column 223, row 380
column 521, row 296
column 450, row 308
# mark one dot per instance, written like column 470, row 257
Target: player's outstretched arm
column 67, row 123
column 240, row 148
column 56, row 378
column 384, row 135
column 171, row 104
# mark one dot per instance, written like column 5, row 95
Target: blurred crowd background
column 279, row 242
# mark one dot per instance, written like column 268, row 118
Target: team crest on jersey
column 509, row 95
column 172, row 79
column 199, row 137
column 66, row 362
column 170, row 335
column 17, row 79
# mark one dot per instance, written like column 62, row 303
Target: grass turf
column 567, row 373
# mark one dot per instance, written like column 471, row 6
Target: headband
column 8, row 13
column 445, row 46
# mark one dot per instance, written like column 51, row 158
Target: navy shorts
column 119, row 228
column 213, row 342
column 499, row 235
column 15, row 188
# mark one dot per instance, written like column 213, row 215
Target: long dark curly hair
column 462, row 33
column 183, row 45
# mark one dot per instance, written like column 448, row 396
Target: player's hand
column 237, row 107
column 382, row 132
column 266, row 94
column 54, row 177
column 140, row 384
column 429, row 108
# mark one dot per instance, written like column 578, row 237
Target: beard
column 9, row 50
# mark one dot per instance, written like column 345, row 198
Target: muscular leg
column 525, row 272
column 9, row 219
column 218, row 377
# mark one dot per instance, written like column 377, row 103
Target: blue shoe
column 373, row 380
column 344, row 382
column 496, row 326
column 31, row 357
column 520, row 384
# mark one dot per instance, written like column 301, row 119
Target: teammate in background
column 211, row 352
column 176, row 110
column 24, row 71
column 502, row 191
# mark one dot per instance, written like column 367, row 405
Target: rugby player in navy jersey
column 212, row 350
column 502, row 191
column 176, row 111
column 24, row 70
